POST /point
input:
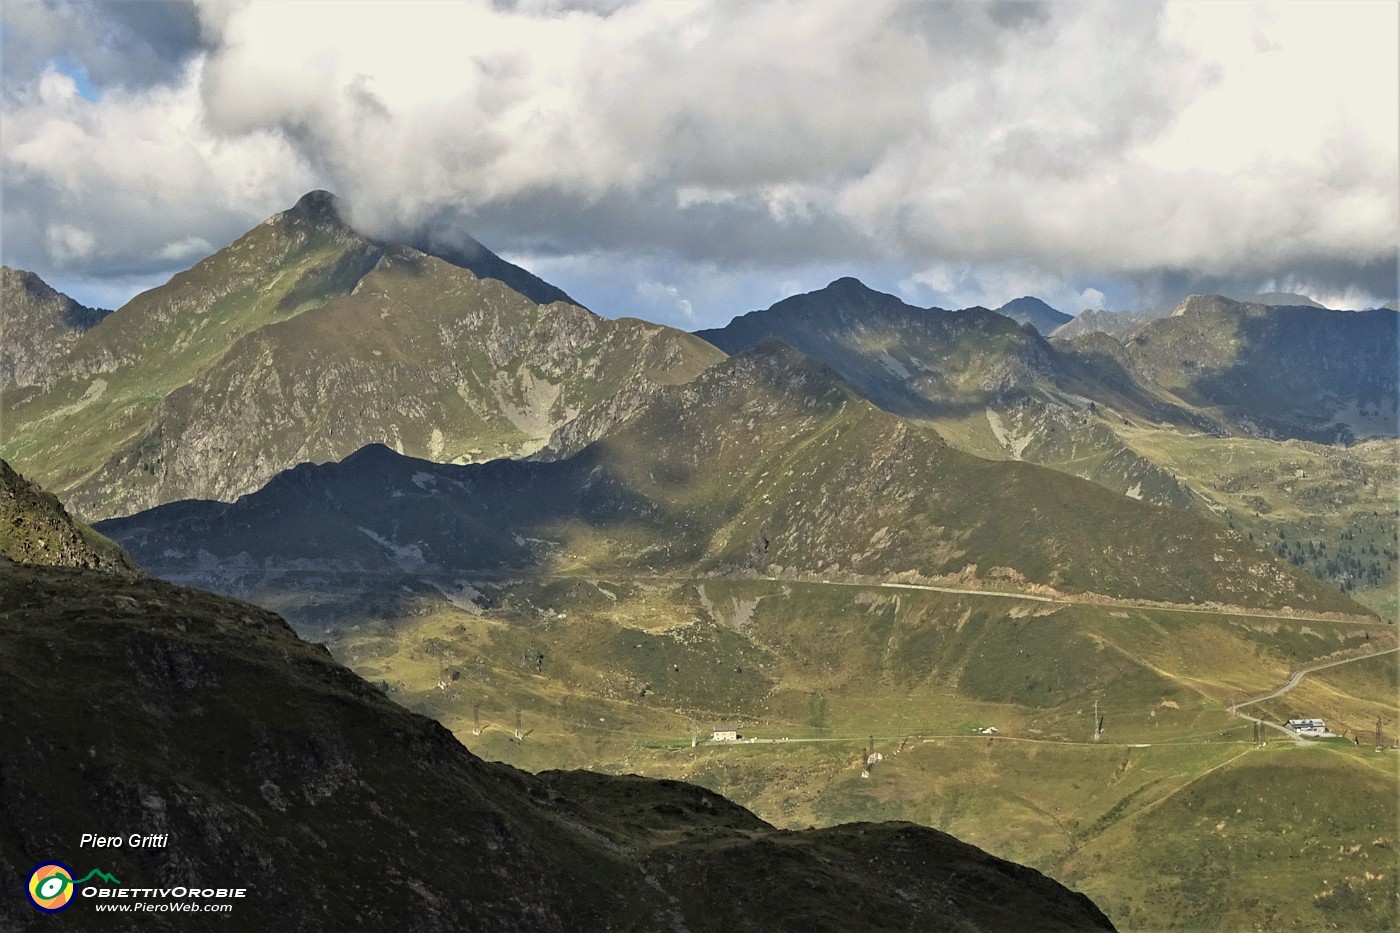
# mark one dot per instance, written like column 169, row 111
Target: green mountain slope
column 35, row 528
column 1306, row 373
column 767, row 464
column 37, row 325
column 1330, row 510
column 131, row 705
column 988, row 385
column 306, row 340
column 623, row 674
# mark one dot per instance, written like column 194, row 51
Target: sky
column 686, row 162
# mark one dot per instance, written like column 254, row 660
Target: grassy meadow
column 1171, row 819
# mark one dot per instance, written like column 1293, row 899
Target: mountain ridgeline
column 989, row 386
column 1117, row 324
column 1278, row 372
column 768, row 464
column 130, row 702
column 305, row 340
column 39, row 326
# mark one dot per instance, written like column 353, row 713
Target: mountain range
column 988, row 385
column 305, row 339
column 932, row 547
column 768, row 464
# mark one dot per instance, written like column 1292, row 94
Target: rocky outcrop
column 35, row 528
column 39, row 325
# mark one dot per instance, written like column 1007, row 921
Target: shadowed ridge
column 1031, row 310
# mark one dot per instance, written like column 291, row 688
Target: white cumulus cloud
column 1084, row 148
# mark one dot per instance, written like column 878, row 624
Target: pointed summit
column 321, row 210
column 1031, row 310
column 839, row 304
column 301, row 341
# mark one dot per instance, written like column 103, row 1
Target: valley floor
column 1173, row 818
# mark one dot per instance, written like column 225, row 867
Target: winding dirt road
column 1293, row 681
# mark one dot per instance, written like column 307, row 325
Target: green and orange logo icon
column 51, row 885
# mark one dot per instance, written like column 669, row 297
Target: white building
column 724, row 735
column 1313, row 727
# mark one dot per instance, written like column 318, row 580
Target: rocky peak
column 318, row 208
column 41, row 323
column 1205, row 304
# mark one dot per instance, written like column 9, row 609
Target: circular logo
column 51, row 887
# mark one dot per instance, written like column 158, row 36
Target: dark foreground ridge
column 129, row 705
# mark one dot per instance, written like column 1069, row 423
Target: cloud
column 117, row 42
column 1126, row 151
column 668, row 300
column 132, row 182
column 1090, row 299
column 991, row 285
column 191, row 247
column 68, row 244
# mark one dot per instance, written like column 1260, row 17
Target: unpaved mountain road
column 1293, row 681
column 1071, row 601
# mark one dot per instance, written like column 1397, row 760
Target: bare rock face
column 39, row 325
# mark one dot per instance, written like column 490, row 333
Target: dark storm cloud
column 127, row 44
